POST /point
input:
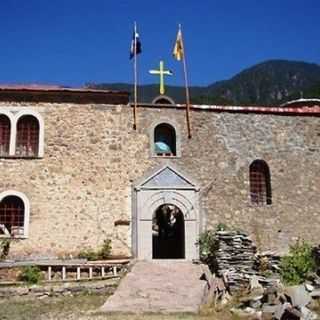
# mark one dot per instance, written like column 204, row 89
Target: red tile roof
column 292, row 110
column 44, row 87
column 59, row 94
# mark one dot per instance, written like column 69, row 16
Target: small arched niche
column 165, row 144
column 162, row 99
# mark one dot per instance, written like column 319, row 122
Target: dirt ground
column 82, row 308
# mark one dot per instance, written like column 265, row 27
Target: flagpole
column 135, row 79
column 187, row 87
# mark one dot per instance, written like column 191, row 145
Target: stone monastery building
column 74, row 173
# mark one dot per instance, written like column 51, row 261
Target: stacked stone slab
column 279, row 302
column 268, row 260
column 316, row 253
column 235, row 258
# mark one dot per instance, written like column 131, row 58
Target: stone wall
column 40, row 291
column 92, row 157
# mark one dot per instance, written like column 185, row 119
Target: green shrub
column 208, row 246
column 222, row 227
column 103, row 253
column 88, row 254
column 297, row 264
column 30, row 275
column 105, row 250
column 4, row 248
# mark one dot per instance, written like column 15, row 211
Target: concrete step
column 160, row 286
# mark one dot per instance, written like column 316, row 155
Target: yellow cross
column 161, row 72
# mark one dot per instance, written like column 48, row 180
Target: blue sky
column 71, row 42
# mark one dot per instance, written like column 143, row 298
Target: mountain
column 268, row 83
column 308, row 93
column 148, row 92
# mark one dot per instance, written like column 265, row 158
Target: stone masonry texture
column 92, row 157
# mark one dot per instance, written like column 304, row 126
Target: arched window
column 260, row 184
column 27, row 143
column 5, row 129
column 12, row 216
column 164, row 140
column 162, row 100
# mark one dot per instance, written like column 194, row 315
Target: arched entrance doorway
column 168, row 233
column 155, row 196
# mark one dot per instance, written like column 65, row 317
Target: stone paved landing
column 163, row 286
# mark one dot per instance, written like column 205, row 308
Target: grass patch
column 50, row 308
column 83, row 307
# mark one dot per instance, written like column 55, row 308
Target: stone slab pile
column 235, row 258
column 268, row 260
column 279, row 303
column 316, row 252
column 237, row 261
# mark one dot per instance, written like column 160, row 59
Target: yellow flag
column 178, row 50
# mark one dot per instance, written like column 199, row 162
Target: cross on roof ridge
column 161, row 72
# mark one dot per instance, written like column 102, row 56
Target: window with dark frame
column 27, row 143
column 260, row 183
column 12, row 216
column 4, row 135
column 164, row 140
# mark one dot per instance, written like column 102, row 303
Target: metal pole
column 135, row 79
column 187, row 87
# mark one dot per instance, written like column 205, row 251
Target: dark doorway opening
column 168, row 233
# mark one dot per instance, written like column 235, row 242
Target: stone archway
column 165, row 186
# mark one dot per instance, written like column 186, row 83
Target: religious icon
column 161, row 73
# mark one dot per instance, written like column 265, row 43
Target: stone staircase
column 159, row 286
